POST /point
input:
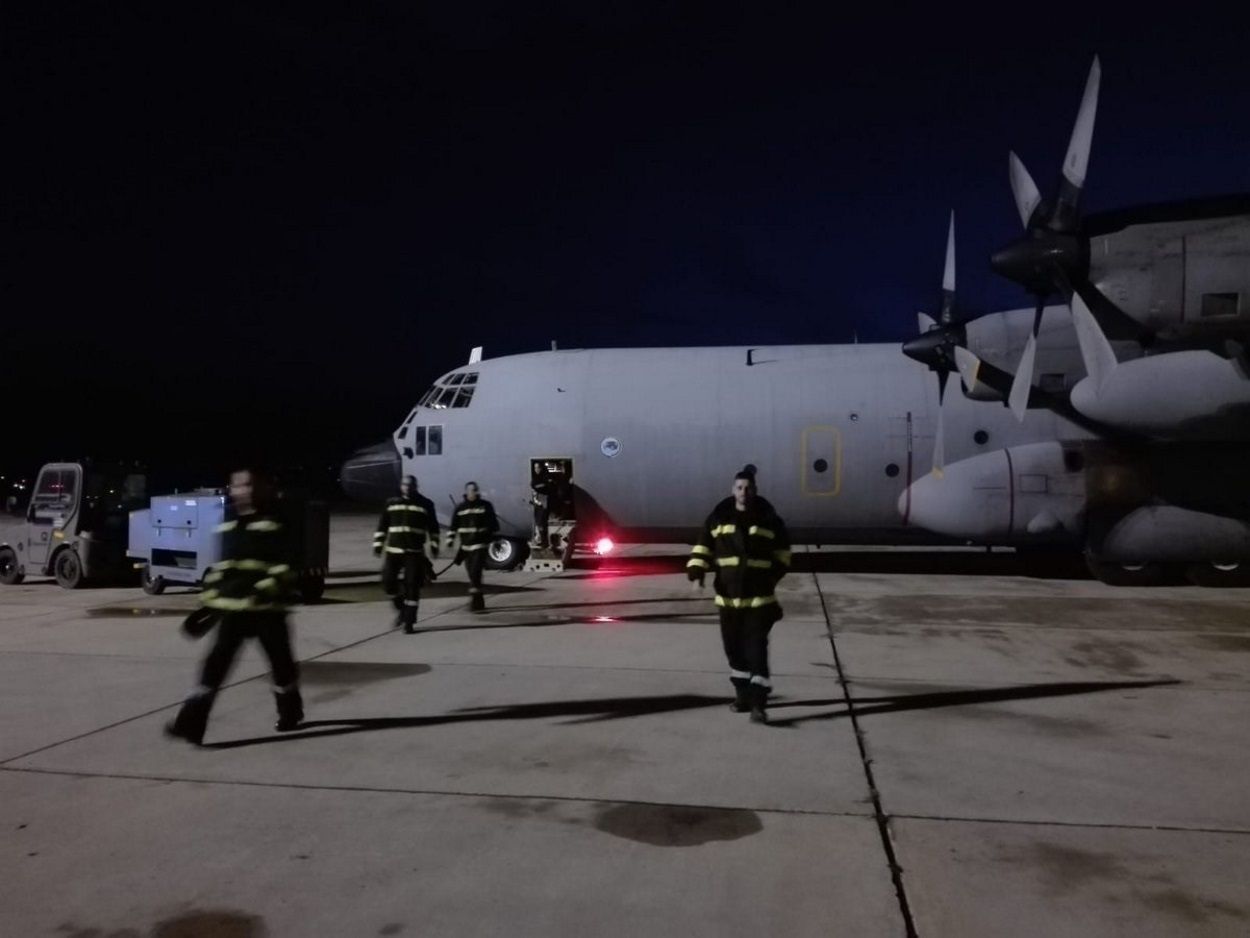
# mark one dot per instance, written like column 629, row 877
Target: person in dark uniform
column 248, row 591
column 747, row 543
column 475, row 524
column 407, row 529
column 540, row 498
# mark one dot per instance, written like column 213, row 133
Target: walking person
column 746, row 542
column 407, row 529
column 475, row 524
column 248, row 591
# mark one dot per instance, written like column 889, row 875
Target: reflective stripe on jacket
column 254, row 573
column 748, row 551
column 475, row 524
column 405, row 525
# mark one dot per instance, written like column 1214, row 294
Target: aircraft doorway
column 551, row 494
column 821, row 460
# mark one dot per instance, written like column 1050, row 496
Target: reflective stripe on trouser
column 270, row 628
column 473, row 564
column 402, row 575
column 744, row 634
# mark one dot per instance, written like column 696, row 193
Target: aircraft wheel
column 1218, row 574
column 152, row 585
column 1127, row 574
column 68, row 569
column 11, row 572
column 505, row 553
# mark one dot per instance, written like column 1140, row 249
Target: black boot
column 742, row 698
column 410, row 619
column 759, row 704
column 477, row 602
column 290, row 710
column 192, row 719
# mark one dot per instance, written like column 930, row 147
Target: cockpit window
column 453, row 390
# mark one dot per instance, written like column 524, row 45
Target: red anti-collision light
column 604, row 546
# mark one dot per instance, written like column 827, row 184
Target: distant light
column 604, row 619
column 604, row 546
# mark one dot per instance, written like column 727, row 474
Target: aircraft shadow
column 1058, row 566
column 626, row 708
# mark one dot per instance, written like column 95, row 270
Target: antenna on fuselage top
column 475, row 355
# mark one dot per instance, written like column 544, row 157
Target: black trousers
column 474, row 564
column 406, row 595
column 744, row 633
column 270, row 628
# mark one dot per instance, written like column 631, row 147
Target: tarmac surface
column 960, row 745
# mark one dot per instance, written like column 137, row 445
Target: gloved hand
column 459, row 557
column 199, row 622
column 695, row 575
column 377, row 551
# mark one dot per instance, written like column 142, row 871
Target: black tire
column 1219, row 574
column 506, row 553
column 312, row 587
column 10, row 570
column 152, row 585
column 1128, row 574
column 67, row 569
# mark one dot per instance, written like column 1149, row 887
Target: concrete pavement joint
column 246, row 680
column 369, row 789
column 883, row 821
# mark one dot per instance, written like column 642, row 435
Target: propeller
column 1052, row 253
column 939, row 337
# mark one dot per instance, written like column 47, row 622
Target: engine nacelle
column 1167, row 534
column 1024, row 494
column 1176, row 394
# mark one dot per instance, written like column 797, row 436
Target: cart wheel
column 10, row 570
column 68, row 569
column 152, row 585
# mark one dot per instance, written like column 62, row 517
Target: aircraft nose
column 371, row 474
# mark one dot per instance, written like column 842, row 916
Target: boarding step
column 543, row 560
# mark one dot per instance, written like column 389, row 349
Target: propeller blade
column 1022, row 383
column 1096, row 351
column 968, row 364
column 1023, row 188
column 1076, row 162
column 948, row 276
column 925, row 322
column 939, row 438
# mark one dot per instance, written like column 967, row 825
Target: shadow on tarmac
column 624, row 708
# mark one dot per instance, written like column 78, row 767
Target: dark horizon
column 237, row 233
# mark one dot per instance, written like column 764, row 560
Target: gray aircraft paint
column 687, row 418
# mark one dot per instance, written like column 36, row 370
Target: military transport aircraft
column 1123, row 429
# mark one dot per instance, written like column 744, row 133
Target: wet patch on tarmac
column 1067, row 870
column 670, row 826
column 131, row 612
column 334, row 680
column 1225, row 642
column 211, row 925
column 1119, row 657
column 929, row 609
column 194, row 924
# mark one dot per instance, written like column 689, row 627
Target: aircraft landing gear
column 506, row 553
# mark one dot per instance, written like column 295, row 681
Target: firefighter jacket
column 748, row 550
column 475, row 524
column 405, row 526
column 254, row 573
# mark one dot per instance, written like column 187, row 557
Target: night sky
column 251, row 231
